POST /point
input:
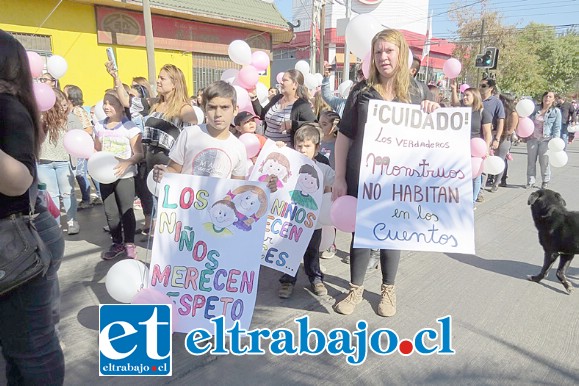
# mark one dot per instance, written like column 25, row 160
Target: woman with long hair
column 54, row 167
column 287, row 111
column 28, row 340
column 547, row 120
column 389, row 80
column 505, row 143
column 168, row 116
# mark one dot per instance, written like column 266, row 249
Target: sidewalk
column 506, row 330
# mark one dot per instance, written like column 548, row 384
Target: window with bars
column 209, row 68
column 32, row 42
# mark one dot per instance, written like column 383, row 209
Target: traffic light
column 489, row 59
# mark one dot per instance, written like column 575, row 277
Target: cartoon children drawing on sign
column 278, row 165
column 223, row 215
column 250, row 203
column 308, row 183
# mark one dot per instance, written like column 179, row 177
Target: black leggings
column 311, row 262
column 360, row 257
column 142, row 190
column 118, row 199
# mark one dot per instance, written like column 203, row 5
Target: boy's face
column 307, row 148
column 248, row 126
column 220, row 113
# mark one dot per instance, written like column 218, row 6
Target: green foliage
column 532, row 59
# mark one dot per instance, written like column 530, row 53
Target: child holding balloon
column 118, row 135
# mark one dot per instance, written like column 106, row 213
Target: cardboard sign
column 207, row 248
column 415, row 189
column 294, row 208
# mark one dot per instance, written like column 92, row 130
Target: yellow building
column 193, row 35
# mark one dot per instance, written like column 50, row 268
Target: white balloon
column 56, row 66
column 99, row 113
column 345, row 87
column 262, row 93
column 325, row 209
column 101, row 166
column 319, row 79
column 558, row 159
column 525, row 107
column 493, row 165
column 152, row 184
column 303, row 67
column 310, row 81
column 125, row 279
column 359, row 33
column 240, row 52
column 556, row 144
column 199, row 114
column 229, row 75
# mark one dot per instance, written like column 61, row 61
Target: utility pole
column 313, row 40
column 150, row 44
column 346, row 75
column 481, row 45
column 322, row 37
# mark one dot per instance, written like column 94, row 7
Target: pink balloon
column 78, row 143
column 260, row 60
column 366, row 64
column 478, row 147
column 463, row 87
column 36, row 63
column 451, row 68
column 152, row 296
column 44, row 95
column 247, row 77
column 477, row 166
column 343, row 213
column 279, row 77
column 525, row 127
column 251, row 142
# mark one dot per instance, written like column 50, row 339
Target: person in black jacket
column 389, row 80
column 287, row 111
column 28, row 313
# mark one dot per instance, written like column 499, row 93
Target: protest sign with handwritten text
column 294, row 208
column 207, row 248
column 415, row 190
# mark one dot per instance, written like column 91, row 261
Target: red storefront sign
column 122, row 27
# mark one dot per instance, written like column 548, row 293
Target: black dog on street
column 558, row 233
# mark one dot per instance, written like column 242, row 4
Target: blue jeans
column 29, row 343
column 476, row 184
column 565, row 134
column 59, row 181
column 83, row 182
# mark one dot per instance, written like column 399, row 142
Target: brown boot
column 346, row 306
column 387, row 305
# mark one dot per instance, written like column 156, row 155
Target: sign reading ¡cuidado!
column 415, row 187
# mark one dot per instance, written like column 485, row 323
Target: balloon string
column 48, row 17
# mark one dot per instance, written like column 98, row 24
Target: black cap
column 243, row 117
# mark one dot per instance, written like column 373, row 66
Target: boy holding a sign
column 307, row 141
column 210, row 149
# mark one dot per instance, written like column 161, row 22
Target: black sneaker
column 480, row 197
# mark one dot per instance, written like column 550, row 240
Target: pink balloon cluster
column 478, row 150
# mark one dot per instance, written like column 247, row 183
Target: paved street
column 506, row 330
